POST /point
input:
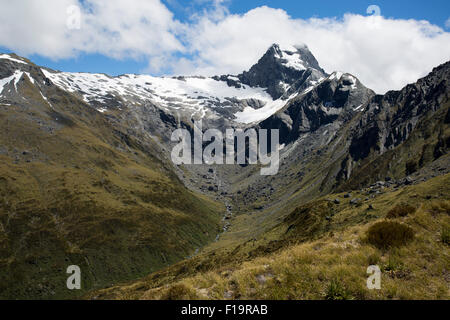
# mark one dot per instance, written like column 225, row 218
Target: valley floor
column 321, row 250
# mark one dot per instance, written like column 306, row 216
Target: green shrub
column 336, row 291
column 387, row 234
column 400, row 210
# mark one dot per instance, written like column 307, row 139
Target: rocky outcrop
column 280, row 67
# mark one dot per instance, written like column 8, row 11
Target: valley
column 87, row 178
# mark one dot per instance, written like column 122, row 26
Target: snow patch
column 8, row 57
column 234, row 78
column 250, row 115
column 336, row 75
column 15, row 77
column 359, row 108
column 189, row 93
column 46, row 100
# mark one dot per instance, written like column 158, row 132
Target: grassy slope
column 274, row 232
column 85, row 193
column 315, row 257
column 318, row 172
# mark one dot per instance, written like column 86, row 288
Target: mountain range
column 86, row 179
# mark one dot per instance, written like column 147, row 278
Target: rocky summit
column 86, row 179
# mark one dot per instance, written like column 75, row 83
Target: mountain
column 281, row 69
column 86, row 176
column 78, row 189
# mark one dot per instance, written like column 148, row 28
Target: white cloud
column 383, row 53
column 115, row 28
column 447, row 23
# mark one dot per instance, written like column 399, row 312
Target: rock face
column 390, row 119
column 339, row 96
column 283, row 67
column 341, row 136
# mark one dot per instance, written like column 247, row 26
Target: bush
column 387, row 234
column 401, row 210
column 178, row 292
column 336, row 291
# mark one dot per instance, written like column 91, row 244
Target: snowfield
column 194, row 93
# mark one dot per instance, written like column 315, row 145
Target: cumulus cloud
column 114, row 28
column 384, row 53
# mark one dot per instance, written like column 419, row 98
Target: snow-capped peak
column 290, row 56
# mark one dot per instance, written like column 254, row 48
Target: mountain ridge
column 86, row 165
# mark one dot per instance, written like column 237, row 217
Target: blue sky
column 435, row 11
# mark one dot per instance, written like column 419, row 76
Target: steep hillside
column 292, row 237
column 75, row 188
column 322, row 251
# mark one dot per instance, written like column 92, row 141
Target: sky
column 385, row 43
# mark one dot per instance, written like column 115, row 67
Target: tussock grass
column 388, row 234
column 329, row 265
column 400, row 210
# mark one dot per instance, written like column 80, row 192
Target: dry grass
column 333, row 266
column 400, row 210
